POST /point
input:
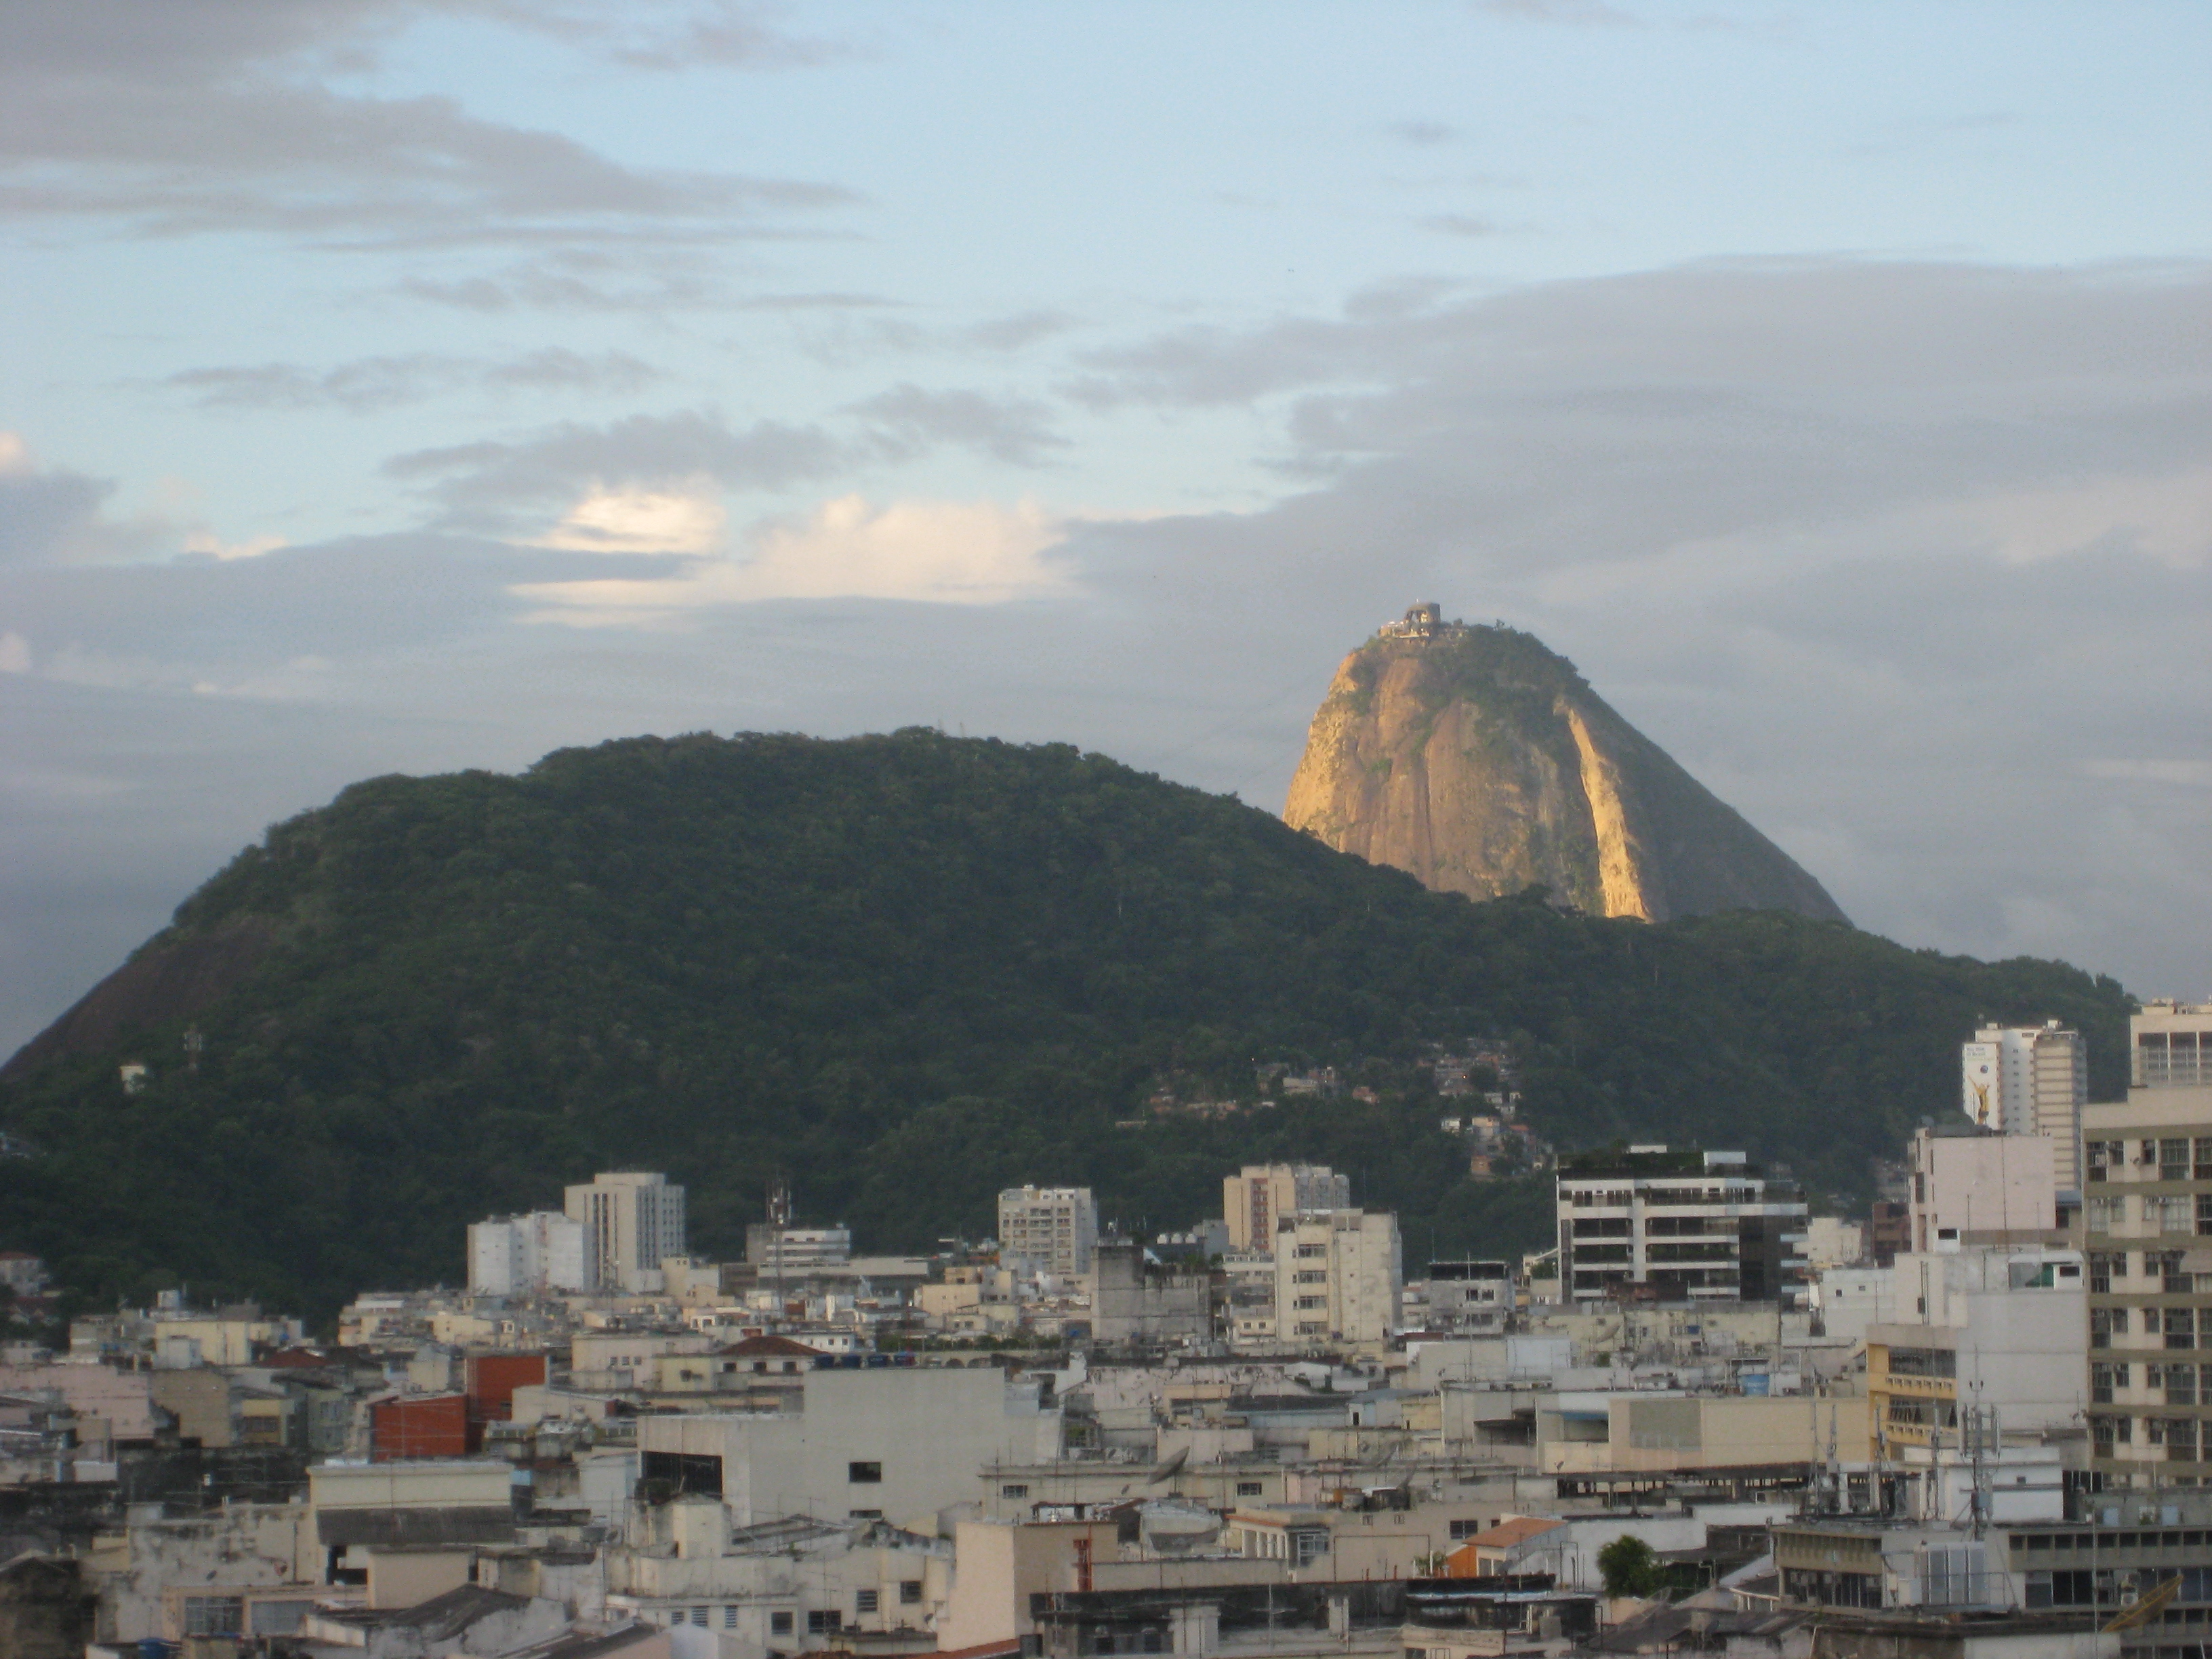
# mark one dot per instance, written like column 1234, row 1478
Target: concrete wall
column 408, row 1577
column 1002, row 1564
column 443, row 1484
column 1644, row 1432
column 928, row 1431
column 247, row 1546
column 200, row 1400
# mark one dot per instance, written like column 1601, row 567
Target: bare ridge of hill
column 1480, row 763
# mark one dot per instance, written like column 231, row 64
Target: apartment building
column 2147, row 1221
column 637, row 1221
column 1259, row 1197
column 2000, row 1328
column 1690, row 1225
column 1056, row 1227
column 532, row 1255
column 796, row 1250
column 2170, row 1046
column 2029, row 1081
column 1973, row 1186
column 1340, row 1276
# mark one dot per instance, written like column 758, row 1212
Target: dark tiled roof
column 481, row 1524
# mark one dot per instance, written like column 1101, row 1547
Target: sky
column 403, row 386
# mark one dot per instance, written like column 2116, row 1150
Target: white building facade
column 636, row 1221
column 1259, row 1197
column 1340, row 1276
column 1054, row 1228
column 2029, row 1081
column 532, row 1255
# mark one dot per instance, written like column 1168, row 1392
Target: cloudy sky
column 401, row 386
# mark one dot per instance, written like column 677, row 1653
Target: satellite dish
column 1168, row 1469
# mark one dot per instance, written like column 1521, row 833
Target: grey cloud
column 1582, row 13
column 51, row 515
column 1015, row 430
column 1461, row 224
column 1012, row 333
column 43, row 513
column 193, row 117
column 1422, row 133
column 478, row 483
column 823, row 302
column 382, row 382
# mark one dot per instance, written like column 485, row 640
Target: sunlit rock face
column 1482, row 763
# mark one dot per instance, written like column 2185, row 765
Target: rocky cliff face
column 1482, row 762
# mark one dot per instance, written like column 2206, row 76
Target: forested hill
column 905, row 970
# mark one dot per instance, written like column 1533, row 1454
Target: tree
column 1628, row 1567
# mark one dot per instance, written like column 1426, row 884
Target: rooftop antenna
column 778, row 1218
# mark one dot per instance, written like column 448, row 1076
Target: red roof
column 770, row 1348
column 292, row 1358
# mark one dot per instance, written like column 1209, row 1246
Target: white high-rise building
column 2030, row 1080
column 1054, row 1227
column 1259, row 1197
column 1340, row 1276
column 531, row 1254
column 637, row 1221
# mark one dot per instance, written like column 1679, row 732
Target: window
column 825, row 1621
column 2105, row 1432
column 1951, row 1574
column 1923, row 1362
column 909, row 1592
column 729, row 1618
column 2104, row 1155
column 2105, row 1266
column 2204, row 1211
column 698, row 1615
column 1308, row 1303
column 865, row 1474
column 2177, row 1435
column 1014, row 1489
column 2107, row 1213
column 1460, row 1529
column 2173, row 1160
column 215, row 1615
column 1312, row 1252
column 1248, row 1489
column 2181, row 1326
column 778, row 1623
column 1310, row 1278
column 2204, row 1157
column 2170, row 1215
column 2105, row 1324
column 2104, row 1378
column 865, row 1601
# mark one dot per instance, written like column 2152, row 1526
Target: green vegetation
column 1628, row 1566
column 905, row 971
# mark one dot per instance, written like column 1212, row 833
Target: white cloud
column 14, row 654
column 208, row 544
column 2169, row 519
column 687, row 517
column 932, row 552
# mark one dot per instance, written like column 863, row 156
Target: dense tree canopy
column 904, row 971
